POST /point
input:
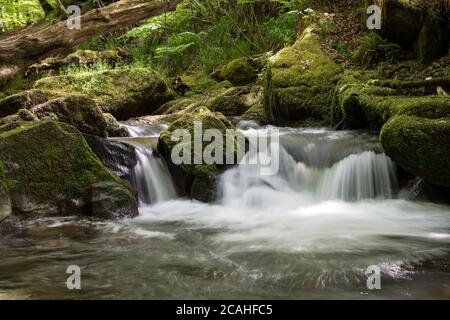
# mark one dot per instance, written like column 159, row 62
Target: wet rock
column 196, row 180
column 49, row 169
column 110, row 200
column 236, row 101
column 118, row 157
column 114, row 128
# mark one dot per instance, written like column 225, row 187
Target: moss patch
column 186, row 174
column 420, row 145
column 239, row 72
column 125, row 93
column 300, row 81
column 49, row 162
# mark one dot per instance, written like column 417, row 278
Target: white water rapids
column 309, row 231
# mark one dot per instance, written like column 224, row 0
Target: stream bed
column 311, row 231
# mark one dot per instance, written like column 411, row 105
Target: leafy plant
column 374, row 49
column 17, row 13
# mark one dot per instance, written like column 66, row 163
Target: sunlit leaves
column 16, row 13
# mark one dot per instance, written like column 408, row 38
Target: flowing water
column 309, row 231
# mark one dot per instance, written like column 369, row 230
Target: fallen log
column 33, row 43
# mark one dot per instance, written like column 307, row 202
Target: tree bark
column 36, row 42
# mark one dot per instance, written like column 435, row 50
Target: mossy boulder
column 49, row 169
column 196, row 179
column 300, row 81
column 240, row 71
column 420, row 145
column 23, row 100
column 125, row 93
column 362, row 103
column 113, row 127
column 77, row 110
column 236, row 101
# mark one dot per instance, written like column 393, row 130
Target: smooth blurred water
column 309, row 232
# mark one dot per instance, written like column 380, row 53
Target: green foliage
column 17, row 13
column 209, row 33
column 374, row 49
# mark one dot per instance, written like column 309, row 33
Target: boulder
column 76, row 110
column 49, row 169
column 114, row 128
column 420, row 145
column 23, row 100
column 110, row 200
column 197, row 181
column 125, row 93
column 300, row 81
column 239, row 72
column 119, row 158
column 236, row 101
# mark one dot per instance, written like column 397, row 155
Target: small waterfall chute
column 359, row 176
column 152, row 178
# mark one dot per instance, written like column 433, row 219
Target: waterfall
column 152, row 178
column 360, row 176
column 366, row 175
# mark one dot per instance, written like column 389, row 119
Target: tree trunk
column 46, row 7
column 36, row 42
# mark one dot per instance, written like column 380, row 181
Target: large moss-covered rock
column 236, row 101
column 420, row 145
column 125, row 93
column 23, row 100
column 197, row 180
column 239, row 71
column 77, row 110
column 300, row 81
column 362, row 103
column 48, row 169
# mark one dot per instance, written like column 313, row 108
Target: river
column 311, row 231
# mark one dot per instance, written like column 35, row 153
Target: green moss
column 49, row 161
column 239, row 71
column 85, row 56
column 300, row 81
column 25, row 99
column 363, row 101
column 185, row 175
column 209, row 120
column 125, row 93
column 420, row 145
